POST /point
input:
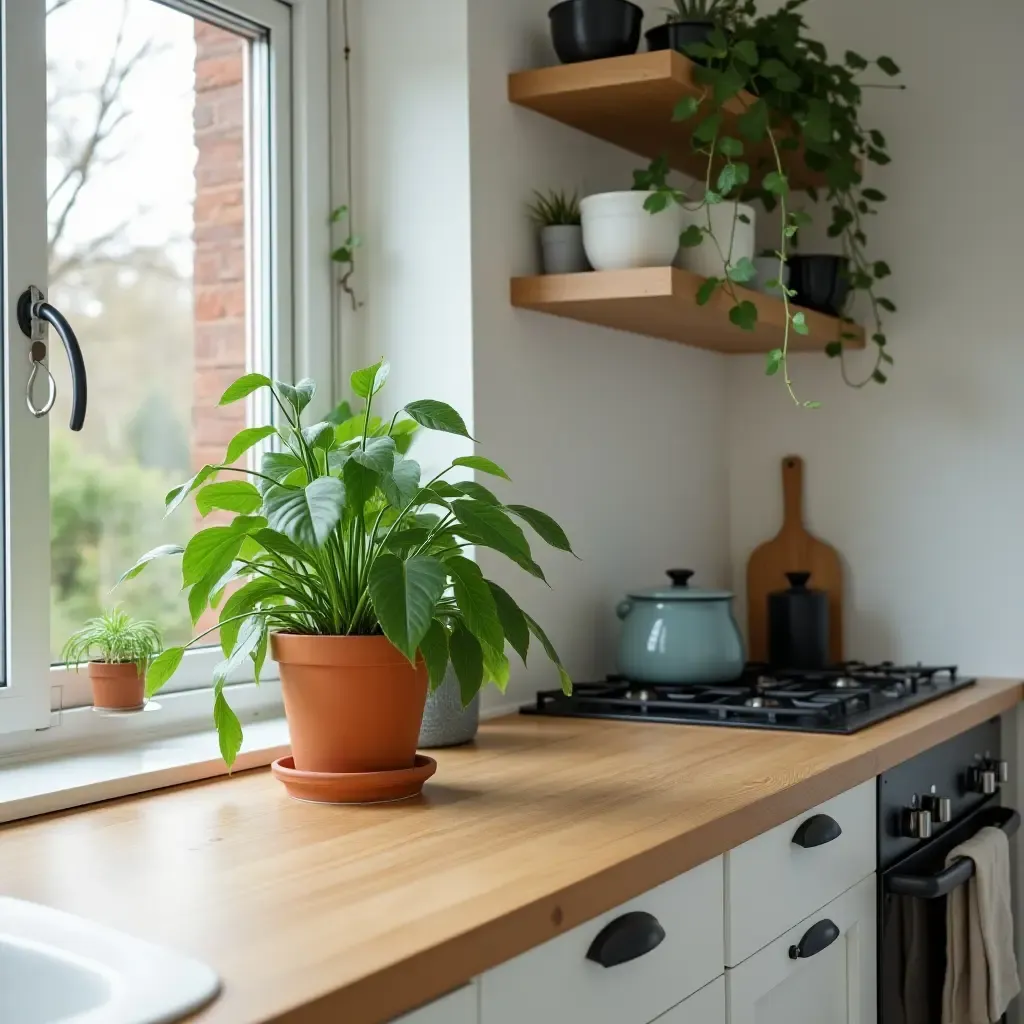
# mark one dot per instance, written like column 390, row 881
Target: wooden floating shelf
column 629, row 101
column 661, row 302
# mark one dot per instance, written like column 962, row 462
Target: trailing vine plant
column 768, row 78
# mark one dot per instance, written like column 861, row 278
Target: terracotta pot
column 354, row 703
column 116, row 687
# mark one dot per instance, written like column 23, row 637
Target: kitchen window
column 165, row 176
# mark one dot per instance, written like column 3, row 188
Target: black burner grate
column 842, row 699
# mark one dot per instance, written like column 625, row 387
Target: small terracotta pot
column 354, row 703
column 117, row 687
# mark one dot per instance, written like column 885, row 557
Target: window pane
column 147, row 182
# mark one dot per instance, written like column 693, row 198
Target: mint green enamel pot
column 679, row 634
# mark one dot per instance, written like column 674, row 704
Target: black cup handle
column 32, row 307
column 819, row 936
column 817, row 830
column 626, row 938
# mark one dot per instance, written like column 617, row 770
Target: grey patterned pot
column 445, row 722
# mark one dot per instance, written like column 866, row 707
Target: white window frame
column 293, row 301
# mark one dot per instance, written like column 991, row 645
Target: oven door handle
column 942, row 883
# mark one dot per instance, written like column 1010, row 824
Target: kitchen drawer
column 704, row 1007
column 556, row 981
column 835, row 985
column 458, row 1007
column 771, row 882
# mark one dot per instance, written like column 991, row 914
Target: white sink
column 59, row 969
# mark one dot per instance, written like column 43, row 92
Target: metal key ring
column 36, row 355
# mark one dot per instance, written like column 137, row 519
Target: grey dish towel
column 981, row 967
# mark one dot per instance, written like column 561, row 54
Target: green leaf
column 278, row 544
column 437, row 416
column 855, row 61
column 231, row 495
column 513, row 621
column 402, row 483
column 878, row 377
column 243, row 600
column 360, row 483
column 468, row 662
column 708, row 128
column 472, row 489
column 746, row 51
column 775, row 183
column 800, row 323
column 491, row 527
column 788, row 82
column 552, row 654
column 481, row 464
column 874, row 195
column 246, row 642
column 879, row 339
column 656, row 202
column 730, row 147
column 878, row 156
column 773, row 361
column 773, row 68
column 887, row 304
column 319, row 435
column 712, row 198
column 833, row 349
column 544, row 526
column 727, row 84
column 159, row 552
column 175, row 497
column 229, row 729
column 888, row 65
column 744, row 315
column 306, row 515
column 161, row 668
column 245, row 386
column 244, row 440
column 753, row 123
column 726, row 179
column 298, row 396
column 210, row 551
column 475, row 601
column 685, row 108
column 369, row 380
column 706, row 290
column 434, row 648
column 496, row 667
column 259, row 656
column 743, row 270
column 404, row 596
column 691, row 237
column 881, row 269
column 378, row 456
column 279, row 466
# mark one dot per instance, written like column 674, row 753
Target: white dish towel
column 981, row 967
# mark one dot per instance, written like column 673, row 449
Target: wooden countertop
column 341, row 914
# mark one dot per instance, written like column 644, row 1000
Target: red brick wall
column 219, row 234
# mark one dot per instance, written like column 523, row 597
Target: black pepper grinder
column 798, row 625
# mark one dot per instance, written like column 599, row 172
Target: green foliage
column 798, row 100
column 114, row 638
column 555, row 207
column 338, row 536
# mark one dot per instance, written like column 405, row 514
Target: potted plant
column 594, row 29
column 687, row 22
column 353, row 574
column 118, row 650
column 561, row 236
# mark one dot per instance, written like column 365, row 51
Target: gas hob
column 843, row 699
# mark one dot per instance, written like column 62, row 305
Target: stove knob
column 917, row 823
column 939, row 807
column 1002, row 769
column 986, row 781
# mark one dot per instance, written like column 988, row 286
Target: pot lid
column 680, row 590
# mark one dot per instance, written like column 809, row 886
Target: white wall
column 621, row 438
column 920, row 483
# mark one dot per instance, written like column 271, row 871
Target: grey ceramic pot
column 562, row 249
column 445, row 722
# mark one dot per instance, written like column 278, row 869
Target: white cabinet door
column 834, row 986
column 458, row 1007
column 704, row 1007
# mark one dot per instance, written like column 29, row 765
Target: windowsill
column 58, row 777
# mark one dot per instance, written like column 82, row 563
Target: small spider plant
column 700, row 10
column 554, row 208
column 114, row 638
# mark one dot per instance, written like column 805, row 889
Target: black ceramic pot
column 820, row 282
column 592, row 29
column 677, row 35
column 798, row 625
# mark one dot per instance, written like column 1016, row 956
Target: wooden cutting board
column 793, row 549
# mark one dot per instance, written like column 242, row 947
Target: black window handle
column 33, row 312
column 626, row 938
column 817, row 830
column 819, row 936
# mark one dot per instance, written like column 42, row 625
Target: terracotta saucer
column 353, row 787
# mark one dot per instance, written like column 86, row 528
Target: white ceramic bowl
column 618, row 233
column 704, row 259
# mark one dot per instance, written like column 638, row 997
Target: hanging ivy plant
column 787, row 100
